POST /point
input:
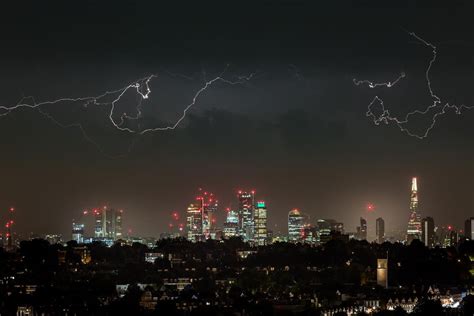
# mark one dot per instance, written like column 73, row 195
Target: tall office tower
column 78, row 232
column 108, row 223
column 114, row 224
column 324, row 226
column 260, row 222
column 100, row 223
column 469, row 228
column 246, row 209
column 363, row 229
column 361, row 233
column 209, row 205
column 427, row 232
column 194, row 221
column 295, row 225
column 414, row 223
column 380, row 230
column 324, row 230
column 231, row 224
column 9, row 227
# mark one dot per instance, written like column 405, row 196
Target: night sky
column 297, row 132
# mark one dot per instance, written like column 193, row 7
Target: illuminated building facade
column 100, row 223
column 194, row 221
column 382, row 272
column 427, row 232
column 114, row 224
column 200, row 217
column 414, row 222
column 108, row 223
column 296, row 225
column 209, row 205
column 9, row 233
column 325, row 227
column 310, row 234
column 380, row 230
column 53, row 239
column 231, row 225
column 246, row 210
column 78, row 232
column 260, row 223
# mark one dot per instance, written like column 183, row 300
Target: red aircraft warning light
column 370, row 207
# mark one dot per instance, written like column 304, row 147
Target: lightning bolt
column 437, row 105
column 141, row 88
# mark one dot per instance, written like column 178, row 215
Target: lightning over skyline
column 142, row 89
column 138, row 105
column 437, row 105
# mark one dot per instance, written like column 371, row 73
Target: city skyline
column 264, row 157
column 208, row 210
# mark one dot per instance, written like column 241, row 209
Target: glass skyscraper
column 246, row 210
column 260, row 223
column 295, row 225
column 414, row 222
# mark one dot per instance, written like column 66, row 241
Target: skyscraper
column 231, row 224
column 414, row 222
column 108, row 223
column 260, row 222
column 469, row 228
column 100, row 223
column 200, row 217
column 246, row 209
column 295, row 225
column 194, row 221
column 114, row 224
column 362, row 229
column 208, row 210
column 78, row 232
column 427, row 232
column 380, row 230
column 9, row 226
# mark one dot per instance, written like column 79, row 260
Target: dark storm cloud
column 296, row 132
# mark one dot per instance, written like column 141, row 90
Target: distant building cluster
column 107, row 226
column 249, row 221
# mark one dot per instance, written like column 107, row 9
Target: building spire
column 414, row 222
column 414, row 187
